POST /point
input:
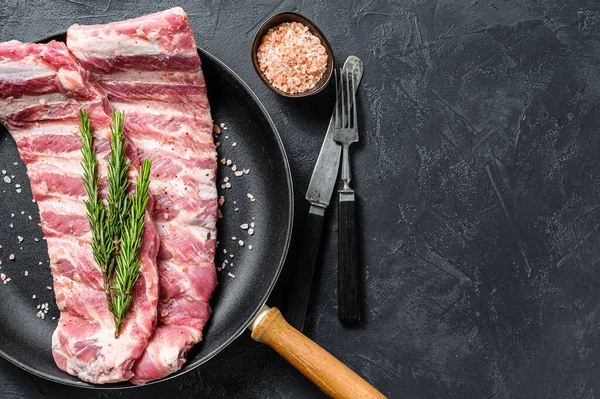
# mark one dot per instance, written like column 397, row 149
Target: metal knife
column 320, row 189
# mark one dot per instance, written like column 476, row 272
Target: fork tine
column 354, row 116
column 348, row 99
column 342, row 101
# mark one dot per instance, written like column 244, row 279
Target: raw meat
column 42, row 88
column 150, row 68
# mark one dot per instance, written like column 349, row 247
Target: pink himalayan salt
column 291, row 58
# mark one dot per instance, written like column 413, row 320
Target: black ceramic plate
column 25, row 339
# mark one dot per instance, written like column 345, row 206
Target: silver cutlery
column 320, row 189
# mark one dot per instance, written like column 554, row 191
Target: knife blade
column 320, row 189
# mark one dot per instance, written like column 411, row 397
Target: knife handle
column 304, row 268
column 348, row 276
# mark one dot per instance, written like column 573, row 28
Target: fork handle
column 348, row 276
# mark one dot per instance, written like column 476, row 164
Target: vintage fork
column 345, row 133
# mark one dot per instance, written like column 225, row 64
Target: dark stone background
column 479, row 201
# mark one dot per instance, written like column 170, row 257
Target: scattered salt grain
column 11, row 257
column 224, row 250
column 250, row 247
column 251, row 231
column 231, row 275
column 244, row 226
column 234, row 144
column 12, row 215
column 18, row 190
column 20, row 238
column 229, row 162
column 251, row 197
column 15, row 163
column 234, row 238
column 231, row 256
column 29, row 216
column 49, row 288
column 7, row 280
column 238, row 173
column 234, row 168
column 227, row 185
column 252, row 224
column 223, row 161
column 22, row 212
column 36, row 239
column 2, row 276
column 224, row 127
column 26, row 273
column 246, row 171
column 7, row 179
column 33, row 297
column 237, row 209
column 222, row 124
column 226, row 179
column 241, row 242
column 17, row 185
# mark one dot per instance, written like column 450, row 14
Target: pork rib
column 42, row 88
column 150, row 68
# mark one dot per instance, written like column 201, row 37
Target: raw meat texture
column 150, row 68
column 42, row 88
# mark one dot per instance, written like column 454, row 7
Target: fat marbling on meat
column 150, row 68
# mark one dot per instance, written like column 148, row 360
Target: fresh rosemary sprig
column 118, row 201
column 103, row 245
column 128, row 262
column 118, row 228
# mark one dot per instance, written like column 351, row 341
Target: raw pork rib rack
column 150, row 69
column 42, row 88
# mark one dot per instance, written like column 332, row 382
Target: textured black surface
column 479, row 206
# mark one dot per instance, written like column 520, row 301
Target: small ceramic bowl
column 293, row 17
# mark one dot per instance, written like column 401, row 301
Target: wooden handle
column 348, row 285
column 325, row 371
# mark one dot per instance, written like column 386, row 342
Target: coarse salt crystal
column 250, row 247
column 20, row 238
column 227, row 185
column 234, row 144
column 33, row 297
column 26, row 273
column 17, row 185
column 229, row 162
column 241, row 242
column 11, row 257
column 7, row 179
column 251, row 231
column 238, row 173
column 244, row 226
column 231, row 275
column 2, row 276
